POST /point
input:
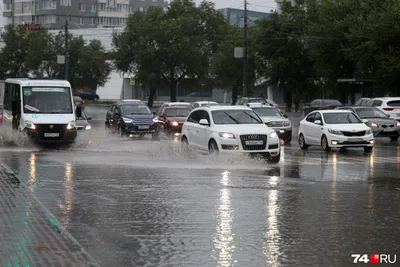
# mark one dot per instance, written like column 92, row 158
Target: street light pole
column 66, row 49
column 245, row 58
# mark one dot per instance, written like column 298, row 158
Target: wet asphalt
column 132, row 202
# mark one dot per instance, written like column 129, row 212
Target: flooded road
column 141, row 203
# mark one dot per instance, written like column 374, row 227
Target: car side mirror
column 388, row 115
column 89, row 119
column 319, row 122
column 154, row 113
column 204, row 122
column 78, row 111
column 285, row 116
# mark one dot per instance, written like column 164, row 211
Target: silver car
column 274, row 119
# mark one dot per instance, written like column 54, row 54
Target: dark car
column 171, row 119
column 87, row 95
column 82, row 123
column 131, row 119
column 320, row 104
column 381, row 125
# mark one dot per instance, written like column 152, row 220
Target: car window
column 310, row 117
column 195, row 105
column 204, row 115
column 377, row 103
column 370, row 113
column 267, row 112
column 177, row 112
column 341, row 118
column 318, row 116
column 134, row 109
column 394, row 103
column 358, row 102
column 315, row 103
column 370, row 103
column 235, row 117
column 194, row 117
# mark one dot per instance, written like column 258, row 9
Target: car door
column 316, row 129
column 203, row 131
column 307, row 124
column 191, row 126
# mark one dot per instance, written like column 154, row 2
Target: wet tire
column 324, row 144
column 394, row 138
column 302, row 142
column 213, row 148
column 275, row 159
column 368, row 149
column 120, row 132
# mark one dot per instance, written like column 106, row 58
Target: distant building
column 236, row 16
column 81, row 14
column 1, row 15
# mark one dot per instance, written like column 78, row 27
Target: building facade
column 80, row 14
column 236, row 16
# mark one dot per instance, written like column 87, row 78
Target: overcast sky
column 256, row 5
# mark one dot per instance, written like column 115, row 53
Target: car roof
column 332, row 111
column 38, row 82
column 130, row 100
column 176, row 107
column 205, row 102
column 227, row 107
column 385, row 98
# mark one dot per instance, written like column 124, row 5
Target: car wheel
column 324, row 144
column 213, row 148
column 120, row 131
column 302, row 142
column 368, row 148
column 275, row 159
column 394, row 138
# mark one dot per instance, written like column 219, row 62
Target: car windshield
column 370, row 113
column 135, row 110
column 235, row 117
column 331, row 103
column 177, row 112
column 267, row 112
column 341, row 118
column 47, row 100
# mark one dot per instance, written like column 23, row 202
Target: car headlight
column 127, row 120
column 398, row 124
column 155, row 120
column 273, row 135
column 367, row 132
column 30, row 125
column 336, row 132
column 71, row 125
column 88, row 127
column 174, row 123
column 227, row 135
column 373, row 124
column 286, row 123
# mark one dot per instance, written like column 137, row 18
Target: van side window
column 7, row 96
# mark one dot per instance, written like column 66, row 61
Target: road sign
column 132, row 80
column 60, row 59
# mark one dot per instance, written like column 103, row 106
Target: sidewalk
column 30, row 236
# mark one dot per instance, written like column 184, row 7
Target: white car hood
column 239, row 129
column 348, row 127
column 273, row 118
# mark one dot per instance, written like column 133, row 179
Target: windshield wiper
column 232, row 118
column 251, row 116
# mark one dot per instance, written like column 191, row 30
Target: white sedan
column 334, row 129
column 229, row 129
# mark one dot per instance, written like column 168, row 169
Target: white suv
column 229, row 129
column 389, row 105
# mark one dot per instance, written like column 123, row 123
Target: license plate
column 387, row 129
column 51, row 135
column 254, row 142
column 144, row 127
column 355, row 139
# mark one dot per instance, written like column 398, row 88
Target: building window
column 82, row 7
column 93, row 7
column 92, row 21
column 65, row 2
column 141, row 9
column 81, row 22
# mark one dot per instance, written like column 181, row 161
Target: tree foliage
column 170, row 44
column 33, row 53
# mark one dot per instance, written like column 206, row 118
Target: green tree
column 179, row 41
column 283, row 53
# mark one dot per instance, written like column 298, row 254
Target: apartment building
column 80, row 13
column 236, row 16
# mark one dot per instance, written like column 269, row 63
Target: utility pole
column 13, row 11
column 245, row 57
column 66, row 49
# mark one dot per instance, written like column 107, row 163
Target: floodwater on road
column 135, row 202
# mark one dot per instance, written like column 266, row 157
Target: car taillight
column 83, row 102
column 278, row 106
column 388, row 109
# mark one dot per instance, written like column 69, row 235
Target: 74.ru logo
column 374, row 258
